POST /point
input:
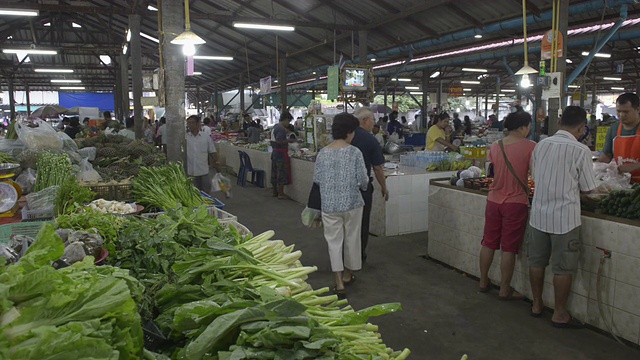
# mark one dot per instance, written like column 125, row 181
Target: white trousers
column 342, row 231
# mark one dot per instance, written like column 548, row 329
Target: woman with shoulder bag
column 340, row 173
column 507, row 203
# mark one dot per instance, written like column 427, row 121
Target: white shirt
column 198, row 149
column 380, row 138
column 206, row 129
column 561, row 168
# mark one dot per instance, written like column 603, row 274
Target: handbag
column 314, row 201
column 513, row 172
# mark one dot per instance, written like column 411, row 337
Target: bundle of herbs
column 165, row 187
column 71, row 196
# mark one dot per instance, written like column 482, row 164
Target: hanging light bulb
column 188, row 49
column 525, row 82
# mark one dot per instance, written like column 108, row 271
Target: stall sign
column 333, row 82
column 265, row 85
column 546, row 46
column 455, row 91
column 601, row 136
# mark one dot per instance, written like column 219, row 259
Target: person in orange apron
column 624, row 146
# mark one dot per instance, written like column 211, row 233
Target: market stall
column 606, row 290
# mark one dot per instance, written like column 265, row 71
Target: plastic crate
column 37, row 215
column 217, row 203
column 30, row 229
column 242, row 230
column 119, row 192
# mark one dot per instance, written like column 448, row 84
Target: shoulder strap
column 513, row 172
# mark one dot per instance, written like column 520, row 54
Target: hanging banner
column 265, row 85
column 333, row 82
column 545, row 49
column 455, row 91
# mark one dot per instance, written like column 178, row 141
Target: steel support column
column 241, row 92
column 173, row 23
column 283, row 84
column 136, row 74
column 124, row 86
column 12, row 100
column 28, row 96
column 556, row 105
column 362, row 46
column 424, row 110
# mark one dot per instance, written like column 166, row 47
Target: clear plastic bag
column 27, row 180
column 610, row 178
column 11, row 147
column 42, row 199
column 221, row 183
column 311, row 218
column 88, row 152
column 38, row 135
column 73, row 253
column 87, row 172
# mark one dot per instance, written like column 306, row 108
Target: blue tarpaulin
column 103, row 101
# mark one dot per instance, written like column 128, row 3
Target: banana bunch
column 432, row 167
column 461, row 165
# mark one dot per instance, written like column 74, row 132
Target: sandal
column 486, row 288
column 341, row 293
column 511, row 296
column 351, row 280
column 535, row 314
column 571, row 324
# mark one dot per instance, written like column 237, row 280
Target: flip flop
column 511, row 297
column 571, row 324
column 341, row 293
column 351, row 280
column 535, row 314
column 484, row 289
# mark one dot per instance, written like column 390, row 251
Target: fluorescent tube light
column 197, row 73
column 263, row 26
column 470, row 82
column 573, row 87
column 401, row 79
column 30, row 51
column 19, row 12
column 478, row 36
column 128, row 34
column 435, row 74
column 207, row 57
column 617, row 88
column 412, row 87
column 372, row 60
column 474, row 70
column 53, row 70
column 467, row 90
column 71, row 87
column 151, row 8
column 75, row 25
column 569, row 61
column 600, row 55
column 612, row 78
column 149, row 37
column 508, row 90
column 125, row 48
column 106, row 59
column 65, row 81
column 416, row 93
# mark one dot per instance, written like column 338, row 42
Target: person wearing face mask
column 622, row 143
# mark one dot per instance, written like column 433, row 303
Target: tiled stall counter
column 229, row 156
column 456, row 223
column 406, row 211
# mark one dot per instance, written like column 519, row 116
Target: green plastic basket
column 30, row 228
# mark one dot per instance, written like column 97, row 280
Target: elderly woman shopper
column 507, row 203
column 341, row 174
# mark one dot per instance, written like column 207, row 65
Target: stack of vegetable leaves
column 215, row 294
column 165, row 187
column 78, row 312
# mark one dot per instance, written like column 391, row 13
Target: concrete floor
column 444, row 316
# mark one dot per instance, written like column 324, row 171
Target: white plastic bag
column 11, row 147
column 38, row 135
column 221, row 183
column 311, row 218
column 88, row 152
column 87, row 172
column 610, row 178
column 42, row 199
column 27, row 180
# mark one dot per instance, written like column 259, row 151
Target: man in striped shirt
column 562, row 169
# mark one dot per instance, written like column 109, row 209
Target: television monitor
column 355, row 79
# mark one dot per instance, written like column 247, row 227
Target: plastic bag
column 27, row 180
column 38, row 135
column 87, row 172
column 68, row 144
column 311, row 218
column 11, row 147
column 73, row 253
column 88, row 152
column 610, row 178
column 42, row 199
column 221, row 183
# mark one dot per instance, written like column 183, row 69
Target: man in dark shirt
column 372, row 154
column 280, row 168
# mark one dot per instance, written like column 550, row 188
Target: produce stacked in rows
column 78, row 312
column 118, row 157
column 623, row 203
column 218, row 295
column 53, row 170
column 446, row 165
column 165, row 187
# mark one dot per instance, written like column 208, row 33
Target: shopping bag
column 221, row 183
column 314, row 201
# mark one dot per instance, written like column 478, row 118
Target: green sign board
column 333, row 83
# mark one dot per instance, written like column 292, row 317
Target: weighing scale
column 10, row 191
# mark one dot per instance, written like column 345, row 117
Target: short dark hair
column 343, row 125
column 163, row 120
column 393, row 115
column 106, row 114
column 75, row 121
column 86, row 120
column 443, row 116
column 286, row 116
column 66, row 119
column 129, row 122
column 573, row 116
column 516, row 120
column 206, row 121
column 376, row 126
column 629, row 98
column 196, row 118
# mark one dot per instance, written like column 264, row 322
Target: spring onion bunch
column 53, row 170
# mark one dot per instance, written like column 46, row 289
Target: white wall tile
column 626, row 298
column 626, row 325
column 392, row 225
column 418, row 221
column 627, row 269
column 578, row 307
column 581, row 283
column 404, row 185
column 628, row 240
column 599, row 315
column 405, row 223
column 405, row 204
column 593, row 256
column 607, row 289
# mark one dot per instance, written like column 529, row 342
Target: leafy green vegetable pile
column 71, row 195
column 218, row 295
column 165, row 187
column 52, row 170
column 78, row 312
